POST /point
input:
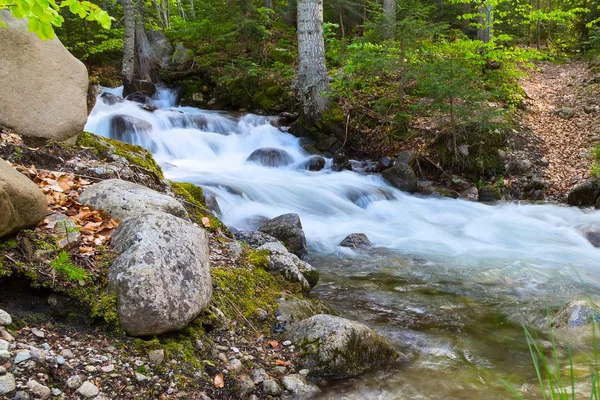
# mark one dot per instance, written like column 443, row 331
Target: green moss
column 259, row 258
column 136, row 155
column 192, row 197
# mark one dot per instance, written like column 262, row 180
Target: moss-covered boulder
column 336, row 348
column 488, row 194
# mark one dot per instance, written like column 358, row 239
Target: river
column 450, row 282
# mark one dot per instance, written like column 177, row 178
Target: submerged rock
column 314, row 163
column 591, row 233
column 576, row 314
column 336, row 348
column 161, row 279
column 402, row 177
column 125, row 127
column 585, row 194
column 356, row 241
column 288, row 229
column 290, row 266
column 111, row 99
column 122, row 199
column 22, row 203
column 44, row 88
column 270, row 157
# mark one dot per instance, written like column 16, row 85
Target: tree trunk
column 538, row 28
column 341, row 13
column 290, row 15
column 269, row 4
column 389, row 14
column 128, row 42
column 484, row 33
column 313, row 80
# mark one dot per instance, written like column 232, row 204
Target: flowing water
column 450, row 282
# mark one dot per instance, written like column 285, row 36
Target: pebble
column 140, row 377
column 4, row 354
column 40, row 391
column 88, row 389
column 7, row 383
column 38, row 333
column 22, row 356
column 235, row 365
column 304, row 372
column 107, row 369
column 271, row 387
column 287, row 343
column 279, row 371
column 2, row 370
column 5, row 335
column 74, row 382
column 222, row 348
column 235, row 349
column 4, row 345
column 56, row 392
column 246, row 386
column 90, row 368
column 60, row 360
column 259, row 375
column 21, row 396
column 156, row 357
column 68, row 354
column 5, row 318
column 46, row 347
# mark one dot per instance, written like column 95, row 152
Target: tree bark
column 290, row 15
column 313, row 80
column 128, row 43
column 389, row 14
column 484, row 33
column 269, row 4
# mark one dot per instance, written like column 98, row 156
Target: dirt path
column 565, row 143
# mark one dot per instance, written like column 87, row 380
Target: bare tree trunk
column 128, row 42
column 389, row 14
column 192, row 10
column 538, row 29
column 269, row 4
column 342, row 29
column 313, row 80
column 484, row 33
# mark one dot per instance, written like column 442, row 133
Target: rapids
column 450, row 281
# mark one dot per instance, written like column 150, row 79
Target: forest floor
column 562, row 105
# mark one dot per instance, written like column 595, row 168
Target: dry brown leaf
column 283, row 363
column 206, row 222
column 273, row 343
column 218, row 380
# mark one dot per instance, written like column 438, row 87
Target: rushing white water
column 334, row 204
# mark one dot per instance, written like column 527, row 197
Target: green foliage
column 62, row 264
column 44, row 15
column 596, row 161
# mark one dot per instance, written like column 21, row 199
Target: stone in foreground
column 122, row 199
column 44, row 88
column 161, row 279
column 336, row 348
column 290, row 266
column 22, row 203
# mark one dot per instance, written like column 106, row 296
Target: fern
column 62, row 264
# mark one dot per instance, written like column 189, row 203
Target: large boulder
column 161, row 278
column 270, row 157
column 44, row 88
column 331, row 347
column 401, row 176
column 22, row 203
column 585, row 194
column 122, row 199
column 288, row 229
column 289, row 266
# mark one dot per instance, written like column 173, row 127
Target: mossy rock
column 192, row 198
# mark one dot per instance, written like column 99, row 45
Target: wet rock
column 210, row 199
column 591, row 233
column 402, row 177
column 385, row 162
column 336, row 348
column 341, row 162
column 585, row 194
column 356, row 241
column 288, row 229
column 22, row 203
column 255, row 238
column 161, row 279
column 535, row 189
column 123, row 199
column 5, row 318
column 88, row 390
column 271, row 387
column 270, row 157
column 489, row 193
column 295, row 310
column 428, row 189
column 39, row 391
column 576, row 314
column 140, row 86
column 7, row 383
column 111, row 99
column 298, row 385
column 290, row 266
column 64, row 231
column 126, row 128
column 44, row 88
column 314, row 163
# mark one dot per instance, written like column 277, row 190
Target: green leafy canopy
column 44, row 15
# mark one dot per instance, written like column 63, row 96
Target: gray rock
column 270, row 157
column 68, row 354
column 5, row 318
column 140, row 377
column 290, row 266
column 128, row 129
column 336, row 348
column 402, row 177
column 2, row 371
column 471, row 194
column 22, row 203
column 235, row 365
column 255, row 238
column 278, row 371
column 271, row 387
column 7, row 383
column 521, row 166
column 122, row 199
column 161, row 278
column 156, row 357
column 576, row 314
column 44, row 88
column 585, row 194
column 565, row 112
column 4, row 345
column 108, row 368
column 111, row 99
column 22, row 356
column 314, row 163
column 298, row 385
column 288, row 229
column 40, row 391
column 74, row 382
column 246, row 386
column 356, row 241
column 56, row 392
column 60, row 360
column 406, row 157
column 591, row 233
column 489, row 193
column 64, row 230
column 259, row 376
column 88, row 390
column 294, row 310
column 21, row 395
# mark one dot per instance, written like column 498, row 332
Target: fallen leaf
column 206, row 222
column 283, row 363
column 219, row 382
column 273, row 343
